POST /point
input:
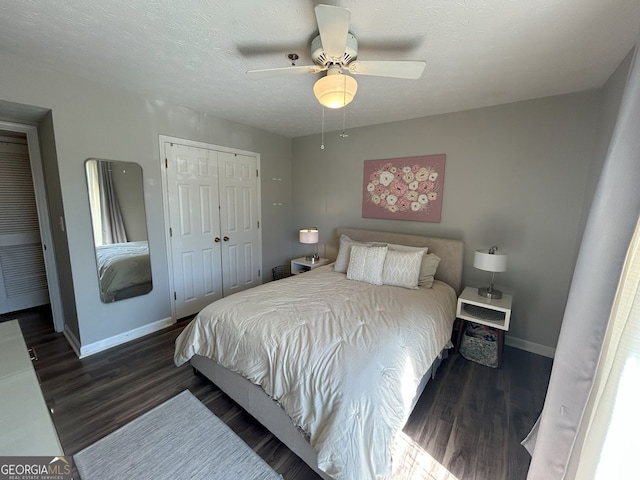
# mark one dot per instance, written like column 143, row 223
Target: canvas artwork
column 407, row 188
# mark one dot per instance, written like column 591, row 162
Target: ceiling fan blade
column 397, row 69
column 274, row 72
column 333, row 25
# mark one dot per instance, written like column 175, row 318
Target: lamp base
column 312, row 258
column 490, row 292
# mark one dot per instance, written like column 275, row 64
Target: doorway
column 23, row 278
column 28, row 272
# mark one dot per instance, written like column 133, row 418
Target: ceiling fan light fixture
column 335, row 90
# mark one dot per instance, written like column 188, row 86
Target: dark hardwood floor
column 467, row 425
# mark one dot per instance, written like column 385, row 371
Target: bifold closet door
column 238, row 177
column 192, row 175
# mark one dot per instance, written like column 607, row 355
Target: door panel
column 188, row 291
column 239, row 221
column 248, row 259
column 231, row 282
column 207, row 202
column 192, row 177
column 230, row 212
column 23, row 280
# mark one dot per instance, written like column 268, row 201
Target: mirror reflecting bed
column 119, row 226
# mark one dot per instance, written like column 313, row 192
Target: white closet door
column 192, row 176
column 239, row 221
column 23, row 280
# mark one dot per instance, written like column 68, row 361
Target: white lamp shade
column 309, row 235
column 335, row 91
column 491, row 262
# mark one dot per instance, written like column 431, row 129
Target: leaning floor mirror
column 119, row 225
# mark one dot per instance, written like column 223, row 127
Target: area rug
column 179, row 439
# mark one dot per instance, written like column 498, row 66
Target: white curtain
column 112, row 224
column 106, row 215
column 605, row 446
column 94, row 200
column 612, row 220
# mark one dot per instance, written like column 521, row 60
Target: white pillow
column 402, row 269
column 428, row 270
column 407, row 248
column 366, row 264
column 344, row 252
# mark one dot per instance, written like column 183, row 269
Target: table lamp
column 490, row 261
column 310, row 236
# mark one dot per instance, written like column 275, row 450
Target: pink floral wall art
column 407, row 188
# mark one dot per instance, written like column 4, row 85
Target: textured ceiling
column 195, row 53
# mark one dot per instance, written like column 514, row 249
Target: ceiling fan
column 335, row 51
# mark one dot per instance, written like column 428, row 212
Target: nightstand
column 495, row 313
column 301, row 265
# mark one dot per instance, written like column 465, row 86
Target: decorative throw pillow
column 344, row 253
column 428, row 270
column 407, row 248
column 402, row 269
column 366, row 264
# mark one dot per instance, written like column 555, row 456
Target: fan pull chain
column 322, row 138
column 344, row 122
column 344, row 108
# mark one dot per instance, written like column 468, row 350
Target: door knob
column 225, row 238
column 217, row 239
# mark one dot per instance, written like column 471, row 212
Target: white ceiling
column 195, row 53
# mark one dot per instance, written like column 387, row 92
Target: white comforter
column 343, row 358
column 122, row 265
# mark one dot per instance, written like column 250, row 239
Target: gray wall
column 94, row 121
column 47, row 139
column 515, row 176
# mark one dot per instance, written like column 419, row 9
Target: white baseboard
column 72, row 339
column 92, row 348
column 529, row 346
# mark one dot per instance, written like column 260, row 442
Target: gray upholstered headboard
column 451, row 252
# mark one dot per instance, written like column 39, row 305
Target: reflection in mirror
column 119, row 225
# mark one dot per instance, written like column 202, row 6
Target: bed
column 331, row 366
column 124, row 270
